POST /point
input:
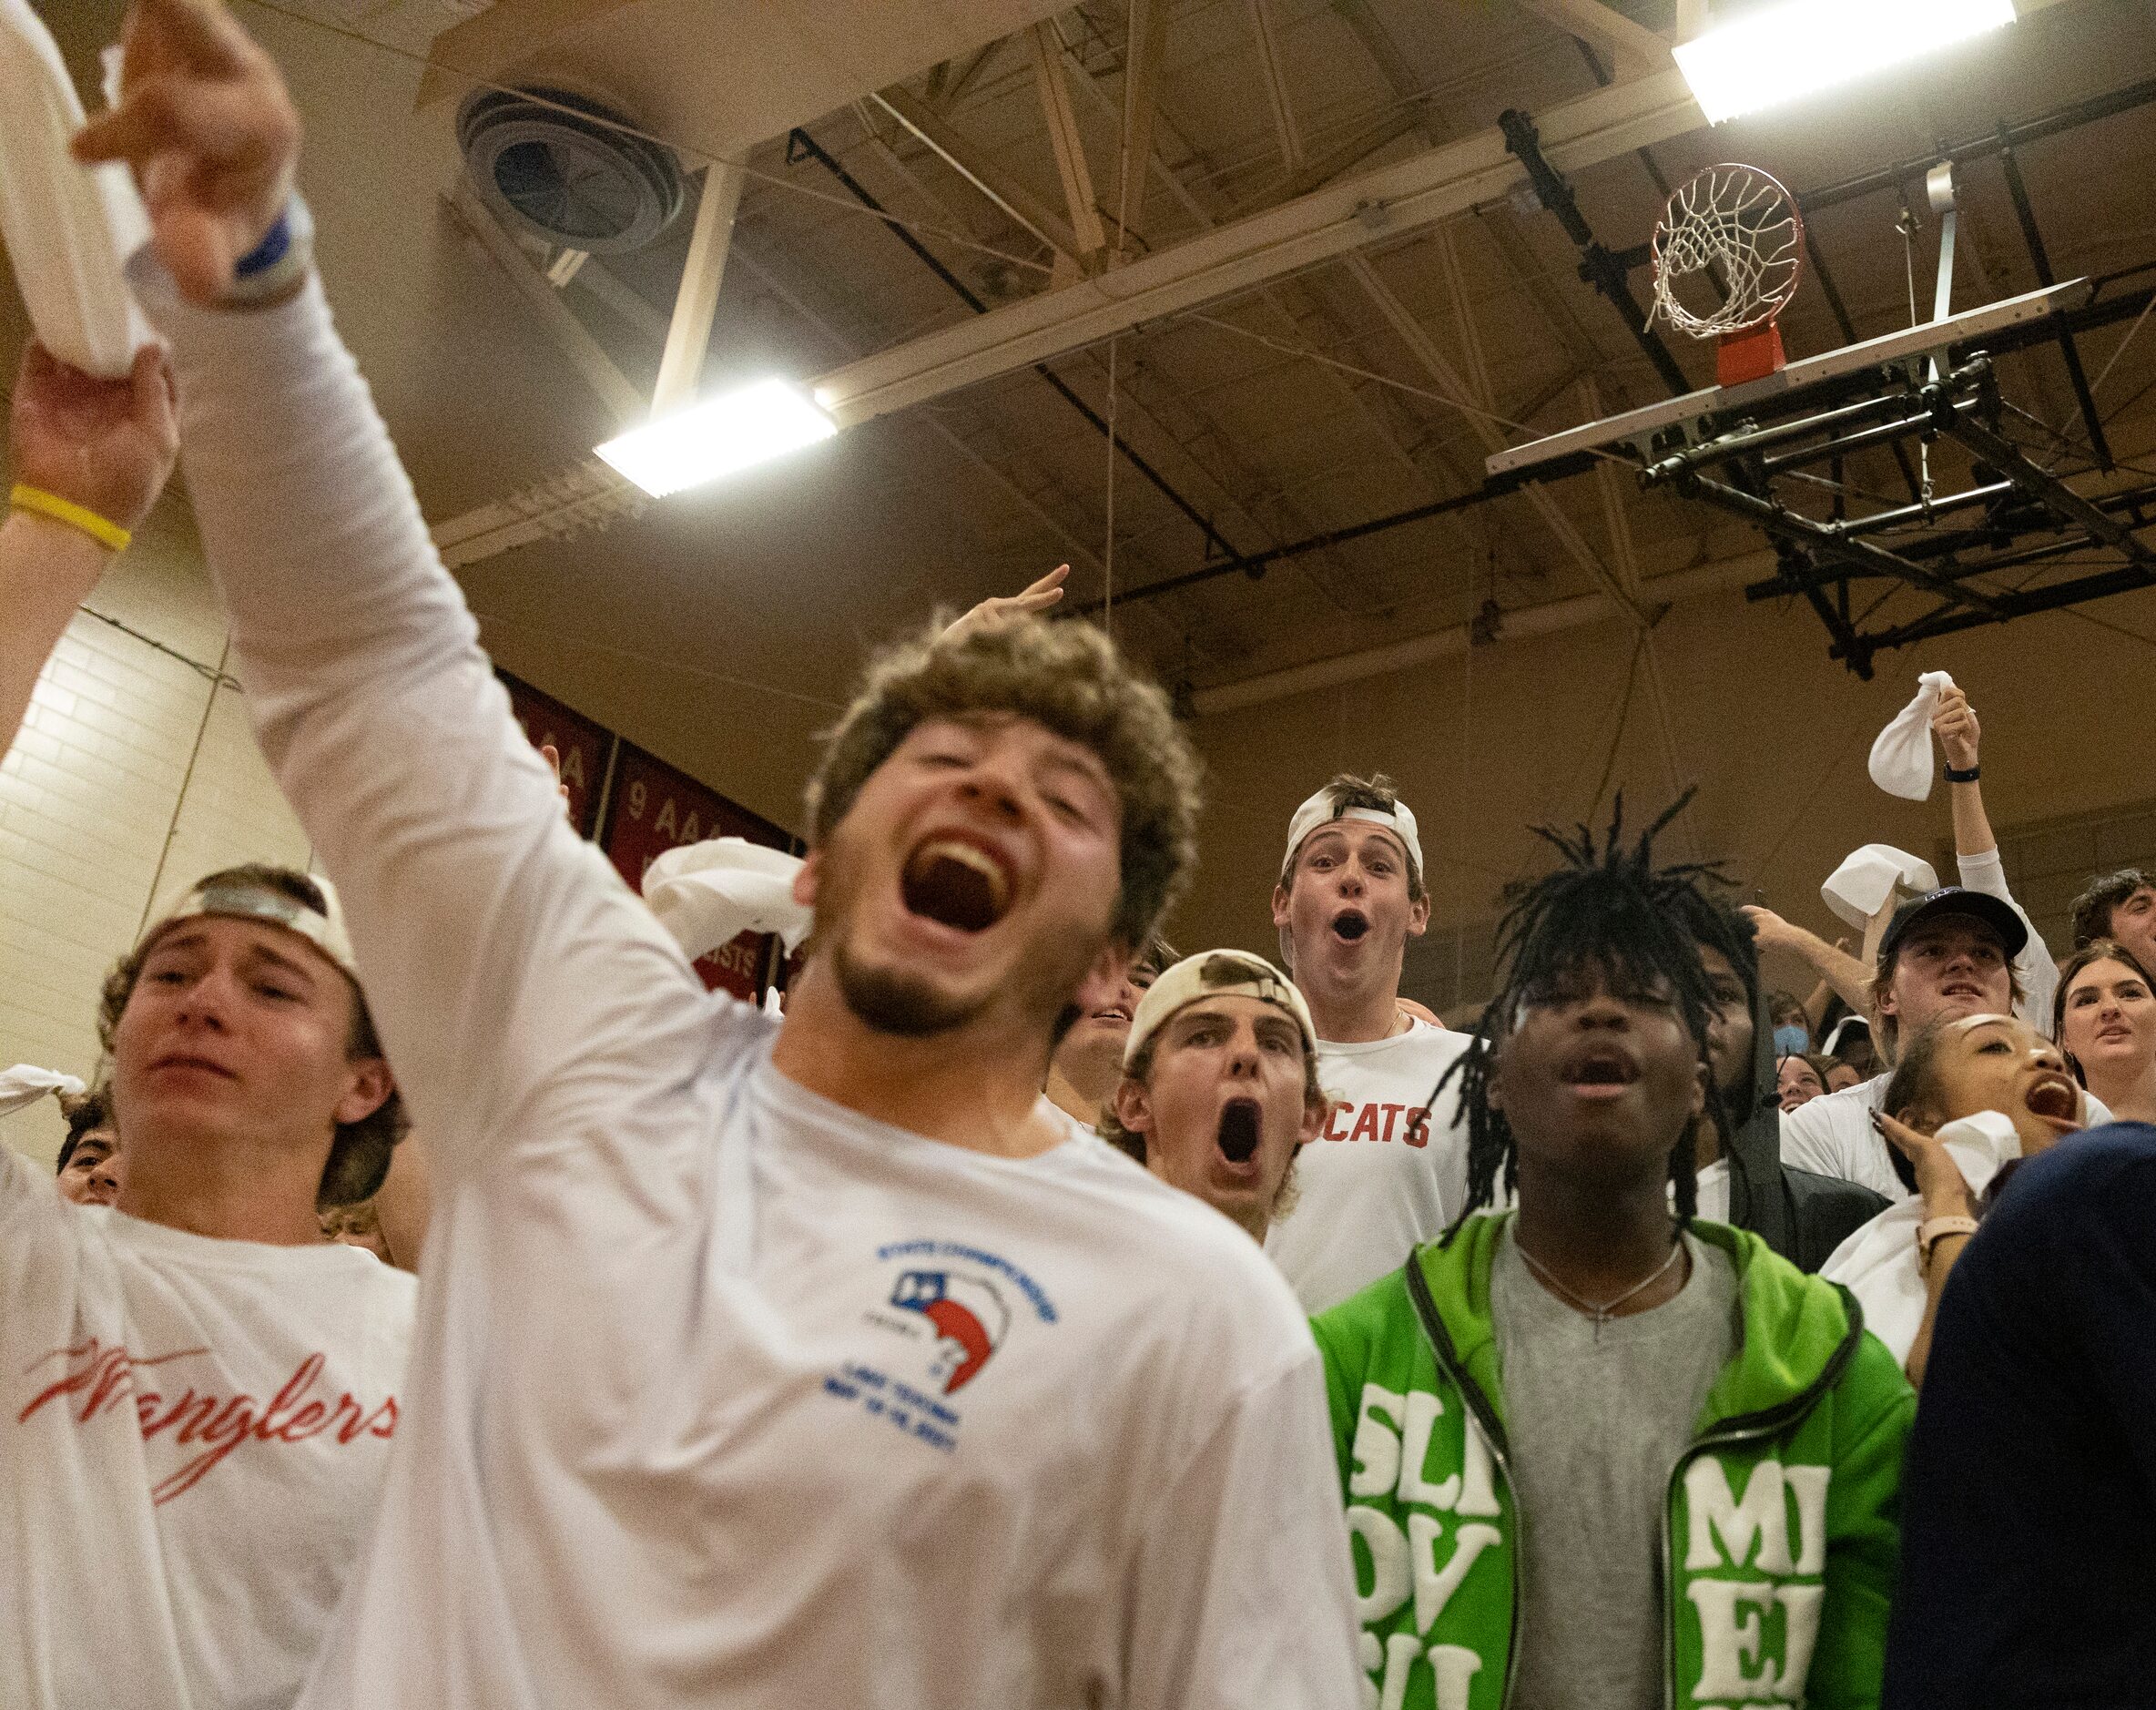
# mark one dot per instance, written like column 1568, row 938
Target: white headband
column 255, row 901
column 1215, row 973
column 1319, row 810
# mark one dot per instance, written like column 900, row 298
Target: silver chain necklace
column 1607, row 1310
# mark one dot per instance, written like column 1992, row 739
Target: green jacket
column 1780, row 1535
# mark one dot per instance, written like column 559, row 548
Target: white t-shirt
column 1713, row 1192
column 1833, row 1135
column 193, row 1439
column 723, row 1393
column 1384, row 1177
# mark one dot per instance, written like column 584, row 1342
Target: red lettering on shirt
column 98, row 1380
column 1417, row 1133
column 1332, row 1121
column 1366, row 1123
column 1391, row 1114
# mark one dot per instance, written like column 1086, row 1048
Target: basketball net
column 1737, row 229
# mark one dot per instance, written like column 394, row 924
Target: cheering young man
column 763, row 1364
column 1219, row 1089
column 1600, row 1457
column 1388, row 1169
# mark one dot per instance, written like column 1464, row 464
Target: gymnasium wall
column 1775, row 734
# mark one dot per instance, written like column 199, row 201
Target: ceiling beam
column 1069, row 143
column 1388, row 202
column 1142, row 55
column 1276, row 76
column 966, row 159
column 696, row 300
column 1634, row 47
column 624, row 399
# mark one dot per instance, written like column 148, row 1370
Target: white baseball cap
column 1319, row 810
column 244, row 899
column 1216, row 973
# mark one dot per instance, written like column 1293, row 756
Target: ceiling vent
column 566, row 170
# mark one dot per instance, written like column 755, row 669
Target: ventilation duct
column 561, row 168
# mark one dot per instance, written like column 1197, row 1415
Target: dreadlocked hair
column 1606, row 906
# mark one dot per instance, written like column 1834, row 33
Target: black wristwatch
column 1955, row 774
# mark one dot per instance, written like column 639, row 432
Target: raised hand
column 1954, row 722
column 992, row 614
column 205, row 122
column 1773, row 932
column 105, row 444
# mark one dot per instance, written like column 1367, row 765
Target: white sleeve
column 1244, row 1593
column 516, row 983
column 2038, row 972
column 1834, row 1137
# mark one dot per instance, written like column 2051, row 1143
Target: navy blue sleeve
column 2028, row 1520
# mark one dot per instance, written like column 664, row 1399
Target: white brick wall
column 91, row 803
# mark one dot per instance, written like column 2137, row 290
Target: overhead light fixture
column 717, row 436
column 1779, row 52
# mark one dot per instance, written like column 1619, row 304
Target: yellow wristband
column 21, row 496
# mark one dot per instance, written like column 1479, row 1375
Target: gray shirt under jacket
column 1597, row 1417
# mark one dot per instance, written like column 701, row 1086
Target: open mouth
column 1351, row 924
column 1238, row 1131
column 1117, row 1015
column 2055, row 1100
column 955, row 884
column 1962, row 988
column 1600, row 1072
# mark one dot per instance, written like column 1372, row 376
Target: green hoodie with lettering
column 1780, row 1530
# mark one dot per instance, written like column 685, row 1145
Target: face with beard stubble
column 975, row 877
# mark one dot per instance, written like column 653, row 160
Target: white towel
column 66, row 228
column 25, row 1084
column 1901, row 755
column 1878, row 1263
column 709, row 893
column 1866, row 882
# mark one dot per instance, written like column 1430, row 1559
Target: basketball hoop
column 1739, row 220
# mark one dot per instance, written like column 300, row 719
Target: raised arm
column 504, row 958
column 1848, row 977
column 87, row 459
column 1976, row 848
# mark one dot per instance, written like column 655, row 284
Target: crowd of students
column 1030, row 1316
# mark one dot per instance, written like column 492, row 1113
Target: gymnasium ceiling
column 1317, row 401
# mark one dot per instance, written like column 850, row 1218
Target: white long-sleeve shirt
column 2034, row 967
column 722, row 1393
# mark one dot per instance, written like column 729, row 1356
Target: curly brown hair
column 1067, row 678
column 359, row 1154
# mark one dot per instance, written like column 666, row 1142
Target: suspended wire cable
column 675, row 666
column 1108, row 546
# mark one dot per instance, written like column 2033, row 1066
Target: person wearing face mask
column 1946, row 955
column 2106, row 1024
column 1742, row 1179
column 1792, row 1028
column 1968, row 1098
column 1219, row 1088
column 1388, row 1169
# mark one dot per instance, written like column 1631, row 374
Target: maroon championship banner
column 582, row 744
column 653, row 809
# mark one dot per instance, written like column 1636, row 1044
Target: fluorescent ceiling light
column 717, row 436
column 1778, row 53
